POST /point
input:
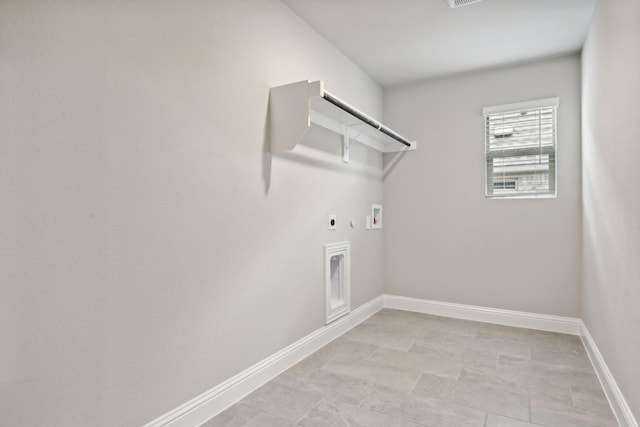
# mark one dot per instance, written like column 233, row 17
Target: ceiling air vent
column 459, row 3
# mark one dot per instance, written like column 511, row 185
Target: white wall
column 611, row 190
column 150, row 249
column 443, row 239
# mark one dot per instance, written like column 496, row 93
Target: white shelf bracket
column 346, row 141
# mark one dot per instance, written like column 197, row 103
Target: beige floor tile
column 489, row 399
column 462, row 349
column 332, row 387
column 478, row 359
column 328, row 415
column 453, row 326
column 519, row 334
column 490, row 344
column 431, row 349
column 387, row 317
column 414, row 329
column 502, row 345
column 345, row 347
column 574, row 360
column 554, row 414
column 590, row 399
column 237, row 415
column 374, row 373
column 494, row 420
column 371, row 335
column 517, row 382
column 499, row 401
column 427, row 411
column 556, row 341
column 550, row 373
column 425, row 363
column 490, row 378
column 545, row 390
column 550, row 340
column 267, row 420
column 431, row 386
column 282, row 401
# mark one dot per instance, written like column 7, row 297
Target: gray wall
column 611, row 190
column 150, row 250
column 443, row 239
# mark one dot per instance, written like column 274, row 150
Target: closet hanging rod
column 366, row 119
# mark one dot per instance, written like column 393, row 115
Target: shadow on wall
column 266, row 152
column 390, row 160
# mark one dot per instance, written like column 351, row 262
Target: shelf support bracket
column 345, row 144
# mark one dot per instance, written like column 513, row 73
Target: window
column 520, row 149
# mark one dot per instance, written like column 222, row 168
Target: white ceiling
column 400, row 41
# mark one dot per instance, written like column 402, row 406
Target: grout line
column 479, row 408
column 329, row 361
column 256, row 415
column 573, row 402
column 378, row 348
column 309, row 411
column 486, row 418
column 460, row 373
column 369, row 392
column 416, row 383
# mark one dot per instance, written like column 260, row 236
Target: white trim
column 521, row 319
column 614, row 395
column 222, row 396
column 517, row 106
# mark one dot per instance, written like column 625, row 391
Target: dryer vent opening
column 459, row 3
column 337, row 279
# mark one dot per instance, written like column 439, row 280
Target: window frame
column 552, row 151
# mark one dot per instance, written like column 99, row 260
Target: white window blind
column 520, row 149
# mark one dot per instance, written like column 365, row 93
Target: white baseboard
column 617, row 401
column 222, row 396
column 521, row 319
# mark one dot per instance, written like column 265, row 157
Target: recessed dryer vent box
column 453, row 4
column 337, row 280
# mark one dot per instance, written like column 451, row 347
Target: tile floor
column 402, row 369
